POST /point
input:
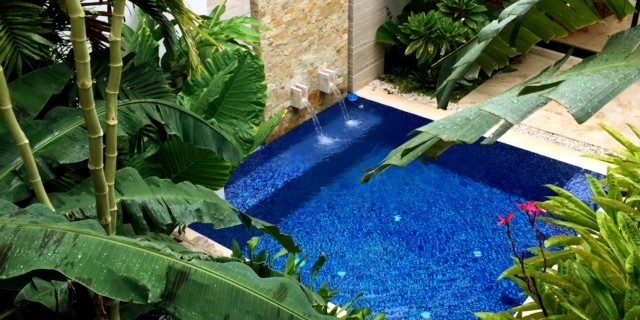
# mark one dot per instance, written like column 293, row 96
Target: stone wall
column 305, row 36
column 366, row 57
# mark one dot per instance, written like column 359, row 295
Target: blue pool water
column 419, row 242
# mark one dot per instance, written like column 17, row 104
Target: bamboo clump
column 113, row 87
column 87, row 104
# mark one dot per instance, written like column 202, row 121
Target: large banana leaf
column 231, row 94
column 144, row 272
column 179, row 162
column 159, row 205
column 518, row 28
column 588, row 86
column 583, row 90
column 176, row 120
column 55, row 139
column 139, row 80
column 52, row 140
column 32, row 91
column 152, row 204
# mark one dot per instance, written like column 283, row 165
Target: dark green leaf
column 539, row 19
column 178, row 161
column 30, row 92
column 153, row 204
column 52, row 294
column 193, row 289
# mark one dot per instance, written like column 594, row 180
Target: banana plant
column 582, row 90
column 123, row 259
column 597, row 274
column 518, row 28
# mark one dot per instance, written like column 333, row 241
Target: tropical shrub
column 432, row 35
column 100, row 241
column 469, row 12
column 596, row 266
column 428, row 31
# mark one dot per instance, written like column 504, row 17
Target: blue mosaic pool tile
column 419, row 241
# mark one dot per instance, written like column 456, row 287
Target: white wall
column 235, row 8
column 366, row 57
column 197, row 6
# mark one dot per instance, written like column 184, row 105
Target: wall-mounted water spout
column 299, row 96
column 300, row 100
column 327, row 80
column 327, row 84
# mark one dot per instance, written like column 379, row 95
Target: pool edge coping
column 512, row 138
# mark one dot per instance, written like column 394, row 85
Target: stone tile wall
column 305, row 36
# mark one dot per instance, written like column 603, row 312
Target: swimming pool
column 420, row 242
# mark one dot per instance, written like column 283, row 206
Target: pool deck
column 553, row 117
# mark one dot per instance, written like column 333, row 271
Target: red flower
column 531, row 208
column 506, row 220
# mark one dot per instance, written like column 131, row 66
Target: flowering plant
column 595, row 272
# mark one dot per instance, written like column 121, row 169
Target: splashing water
column 352, row 123
column 325, row 140
column 314, row 117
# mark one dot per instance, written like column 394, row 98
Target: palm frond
column 189, row 24
column 23, row 42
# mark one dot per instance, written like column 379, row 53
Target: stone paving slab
column 554, row 118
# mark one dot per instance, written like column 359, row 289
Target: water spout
column 300, row 100
column 327, row 84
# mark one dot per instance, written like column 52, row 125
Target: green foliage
column 52, row 294
column 582, row 89
column 230, row 94
column 70, row 254
column 469, row 12
column 432, row 35
column 32, row 91
column 232, row 33
column 428, row 31
column 152, row 204
column 190, row 286
column 23, row 37
column 598, row 273
column 263, row 263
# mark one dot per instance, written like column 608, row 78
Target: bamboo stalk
column 22, row 143
column 87, row 104
column 113, row 87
